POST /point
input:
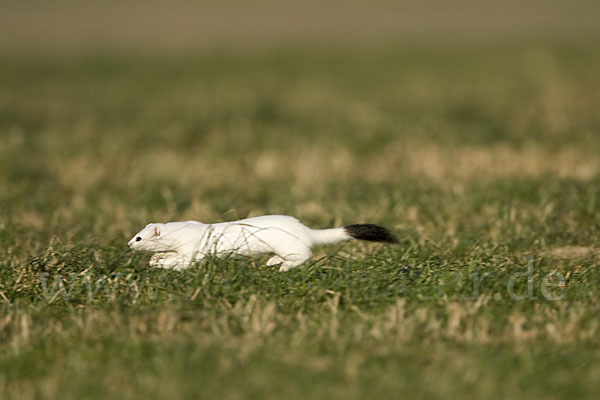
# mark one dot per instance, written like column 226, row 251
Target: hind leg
column 275, row 260
column 294, row 260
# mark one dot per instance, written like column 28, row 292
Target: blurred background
column 180, row 25
column 223, row 109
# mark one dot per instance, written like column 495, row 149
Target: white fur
column 180, row 244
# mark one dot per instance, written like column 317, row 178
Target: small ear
column 156, row 231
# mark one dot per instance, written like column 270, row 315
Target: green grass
column 484, row 161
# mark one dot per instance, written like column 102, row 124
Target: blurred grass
column 477, row 156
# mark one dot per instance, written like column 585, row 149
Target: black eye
column 137, row 239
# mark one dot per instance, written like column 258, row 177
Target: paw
column 274, row 261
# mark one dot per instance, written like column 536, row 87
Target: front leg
column 169, row 260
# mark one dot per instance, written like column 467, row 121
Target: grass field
column 482, row 159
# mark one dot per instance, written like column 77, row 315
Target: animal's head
column 148, row 238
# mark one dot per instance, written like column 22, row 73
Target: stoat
column 180, row 244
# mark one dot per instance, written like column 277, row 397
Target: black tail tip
column 370, row 232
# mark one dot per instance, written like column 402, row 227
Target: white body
column 180, row 244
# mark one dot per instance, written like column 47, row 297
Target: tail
column 370, row 232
